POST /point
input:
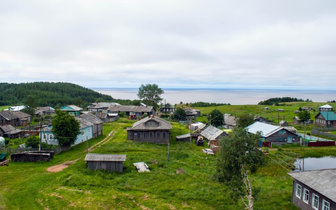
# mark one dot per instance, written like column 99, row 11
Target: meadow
column 31, row 186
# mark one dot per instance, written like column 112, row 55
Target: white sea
column 232, row 96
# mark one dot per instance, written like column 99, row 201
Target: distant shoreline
column 228, row 96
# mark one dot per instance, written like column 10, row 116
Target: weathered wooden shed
column 108, row 162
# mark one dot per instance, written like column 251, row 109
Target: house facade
column 16, row 118
column 85, row 133
column 325, row 119
column 275, row 134
column 150, row 129
column 314, row 189
column 167, row 108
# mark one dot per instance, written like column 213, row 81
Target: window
column 306, row 196
column 281, row 139
column 315, row 201
column 325, row 205
column 151, row 135
column 298, row 191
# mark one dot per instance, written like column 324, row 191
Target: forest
column 49, row 94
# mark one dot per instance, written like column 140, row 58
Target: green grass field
column 31, row 186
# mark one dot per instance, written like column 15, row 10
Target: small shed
column 106, row 162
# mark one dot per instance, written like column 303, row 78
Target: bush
column 33, row 142
column 122, row 114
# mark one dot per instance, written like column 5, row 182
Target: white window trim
column 296, row 191
column 323, row 204
column 313, row 201
column 304, row 195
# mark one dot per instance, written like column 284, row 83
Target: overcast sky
column 212, row 44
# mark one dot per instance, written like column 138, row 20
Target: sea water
column 231, row 96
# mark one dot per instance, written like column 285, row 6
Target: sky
column 285, row 44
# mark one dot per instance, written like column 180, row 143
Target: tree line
column 48, row 94
column 275, row 101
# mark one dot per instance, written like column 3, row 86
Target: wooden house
column 192, row 114
column 101, row 106
column 106, row 162
column 10, row 132
column 262, row 119
column 72, row 109
column 42, row 111
column 212, row 134
column 326, row 119
column 150, row 129
column 326, row 108
column 97, row 128
column 230, row 121
column 107, row 117
column 85, row 133
column 167, row 108
column 314, row 189
column 16, row 118
column 275, row 134
column 136, row 111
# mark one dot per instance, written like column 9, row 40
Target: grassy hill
column 48, row 94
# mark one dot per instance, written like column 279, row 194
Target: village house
column 315, row 189
column 16, row 118
column 326, row 108
column 326, row 119
column 150, row 129
column 16, row 108
column 230, row 121
column 86, row 133
column 192, row 114
column 212, row 134
column 97, row 128
column 72, row 110
column 167, row 108
column 107, row 117
column 276, row 135
column 42, row 111
column 136, row 111
column 101, row 106
column 9, row 131
column 262, row 119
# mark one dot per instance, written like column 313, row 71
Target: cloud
column 126, row 43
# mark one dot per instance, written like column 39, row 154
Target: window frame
column 323, row 204
column 298, row 186
column 313, row 201
column 304, row 195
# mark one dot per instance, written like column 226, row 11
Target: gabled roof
column 92, row 118
column 71, row 108
column 121, row 108
column 105, row 157
column 9, row 115
column 211, row 132
column 159, row 124
column 230, row 120
column 16, row 108
column 101, row 105
column 265, row 129
column 328, row 115
column 9, row 129
column 327, row 106
column 323, row 181
column 83, row 123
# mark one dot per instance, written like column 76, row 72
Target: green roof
column 328, row 115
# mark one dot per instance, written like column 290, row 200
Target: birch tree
column 237, row 159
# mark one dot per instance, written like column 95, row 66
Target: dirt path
column 62, row 166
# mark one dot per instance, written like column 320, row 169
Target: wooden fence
column 321, row 133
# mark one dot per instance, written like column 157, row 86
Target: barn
column 108, row 162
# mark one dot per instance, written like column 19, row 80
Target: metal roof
column 105, row 157
column 211, row 132
column 327, row 106
column 328, row 115
column 323, row 181
column 92, row 118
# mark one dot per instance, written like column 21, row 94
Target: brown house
column 150, row 129
column 10, row 132
column 132, row 110
column 314, row 189
column 16, row 118
column 326, row 119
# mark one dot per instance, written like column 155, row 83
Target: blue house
column 72, row 109
column 86, row 133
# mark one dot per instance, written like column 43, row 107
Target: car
column 208, row 151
